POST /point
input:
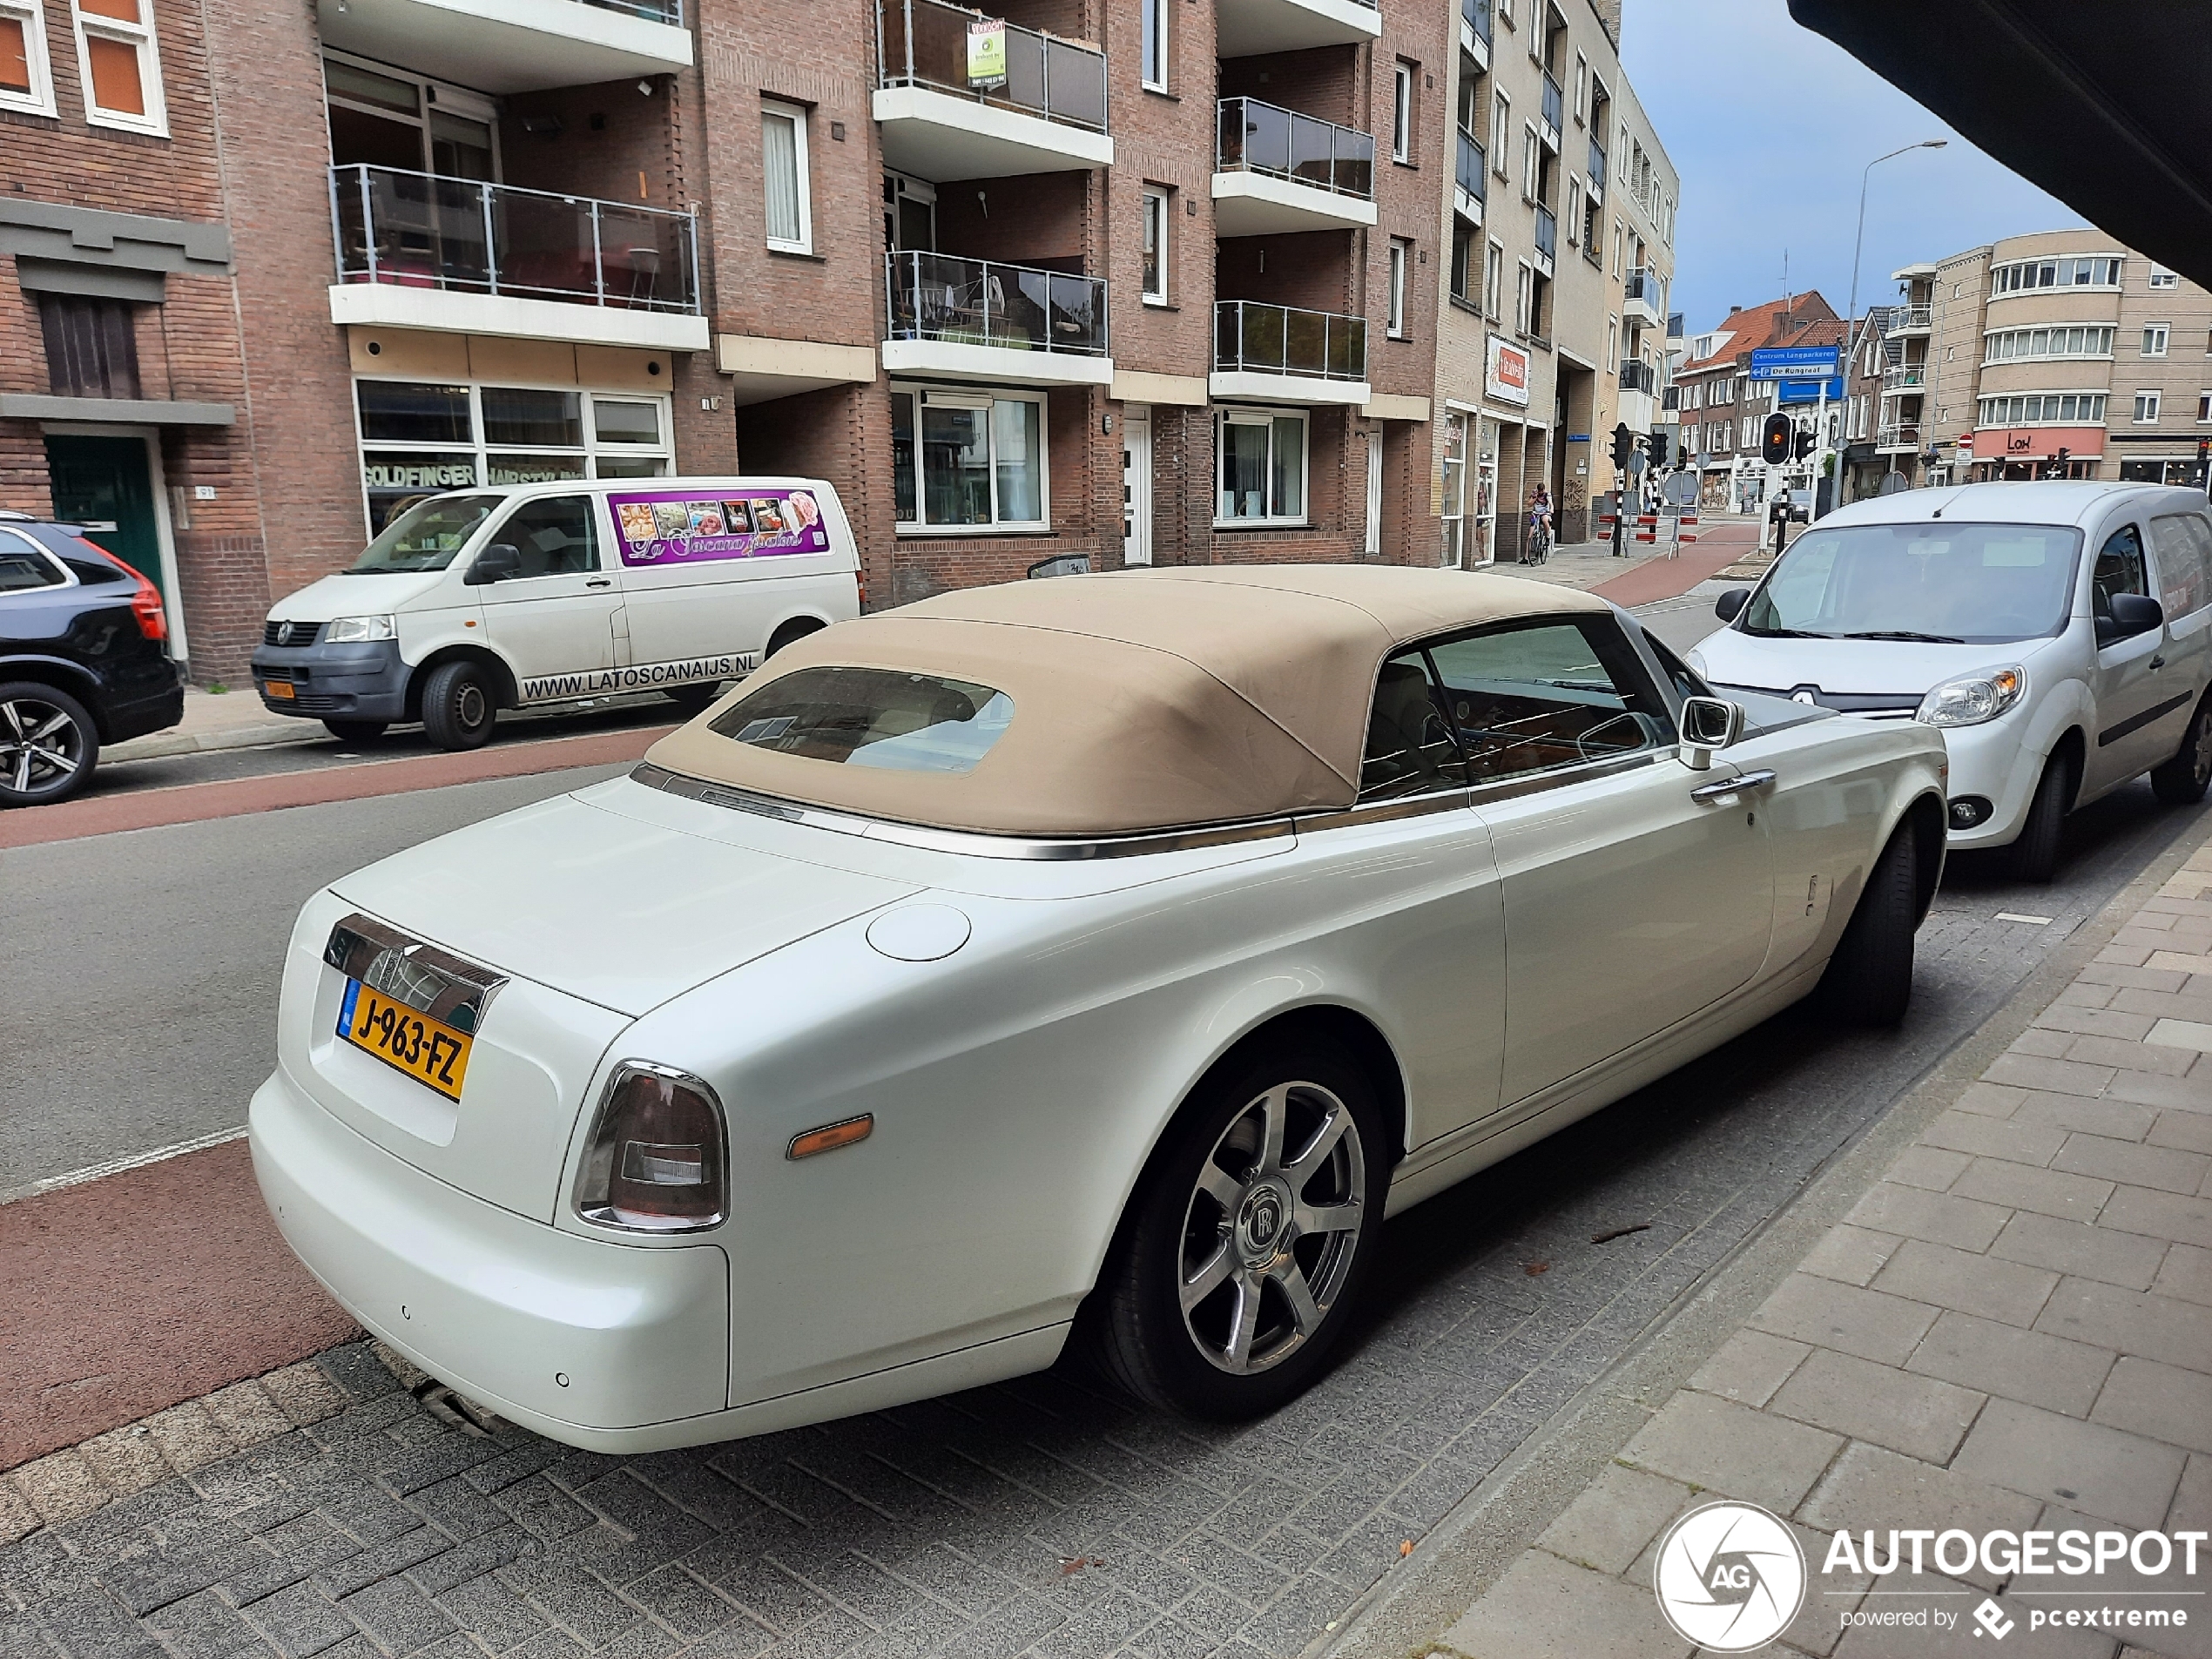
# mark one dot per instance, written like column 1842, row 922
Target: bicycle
column 1539, row 541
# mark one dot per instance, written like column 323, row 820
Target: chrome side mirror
column 1708, row 724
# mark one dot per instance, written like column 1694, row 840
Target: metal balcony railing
column 670, row 11
column 981, row 302
column 1896, row 437
column 1253, row 338
column 1597, row 170
column 1904, row 317
column 415, row 230
column 924, row 42
column 1905, row 379
column 1476, row 15
column 1555, row 104
column 1264, row 138
column 1637, row 376
column 1547, row 232
column 1473, row 168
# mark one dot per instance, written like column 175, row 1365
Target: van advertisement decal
column 671, row 527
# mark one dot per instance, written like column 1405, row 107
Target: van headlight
column 1976, row 699
column 356, row 630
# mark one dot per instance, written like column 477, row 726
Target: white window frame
column 39, row 100
column 2147, row 403
column 1573, row 226
column 972, row 397
column 1612, row 345
column 140, row 36
column 1500, row 134
column 1582, row 86
column 2157, row 336
column 1401, row 257
column 1493, row 281
column 1250, row 415
column 2203, row 407
column 1524, row 298
column 774, row 110
column 1401, row 111
column 2163, row 278
column 1153, row 72
column 1158, row 219
column 1529, row 170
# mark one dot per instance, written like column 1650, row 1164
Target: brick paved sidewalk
column 2012, row 1329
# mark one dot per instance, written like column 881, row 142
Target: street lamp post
column 1852, row 332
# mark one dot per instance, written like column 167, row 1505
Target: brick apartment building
column 1724, row 410
column 1097, row 282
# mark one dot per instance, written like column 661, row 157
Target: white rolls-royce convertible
column 1099, row 959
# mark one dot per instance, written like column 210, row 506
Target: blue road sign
column 1797, row 362
column 1795, row 391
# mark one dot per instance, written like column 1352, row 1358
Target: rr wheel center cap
column 1263, row 1229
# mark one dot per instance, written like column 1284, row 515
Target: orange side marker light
column 830, row 1136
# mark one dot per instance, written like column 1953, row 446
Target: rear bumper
column 591, row 1342
column 364, row 682
column 145, row 711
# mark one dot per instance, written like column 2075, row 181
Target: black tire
column 2034, row 857
column 1869, row 980
column 2182, row 781
column 355, row 730
column 458, row 707
column 1241, row 1221
column 48, row 743
column 692, row 700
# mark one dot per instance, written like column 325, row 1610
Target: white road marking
column 2014, row 916
column 116, row 1166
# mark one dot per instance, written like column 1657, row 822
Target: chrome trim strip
column 428, row 980
column 965, row 843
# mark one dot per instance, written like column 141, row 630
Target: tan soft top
column 1143, row 700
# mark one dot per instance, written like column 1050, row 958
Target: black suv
column 82, row 660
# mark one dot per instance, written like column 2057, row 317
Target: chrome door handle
column 1705, row 795
column 600, row 581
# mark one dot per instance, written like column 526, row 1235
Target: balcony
column 1276, row 169
column 1272, row 353
column 1644, row 298
column 1470, row 179
column 1547, row 239
column 1911, row 378
column 1243, row 28
column 1047, row 114
column 1596, row 173
column 1639, row 377
column 1897, row 439
column 1554, row 111
column 977, row 319
column 1475, row 32
column 1909, row 320
column 503, row 46
column 417, row 251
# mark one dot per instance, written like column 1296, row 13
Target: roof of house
column 1802, row 320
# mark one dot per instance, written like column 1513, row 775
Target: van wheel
column 457, row 708
column 692, row 700
column 2034, row 857
column 48, row 744
column 1869, row 980
column 2182, row 781
column 789, row 634
column 354, row 730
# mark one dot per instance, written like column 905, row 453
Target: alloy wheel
column 1271, row 1228
column 2200, row 751
column 40, row 747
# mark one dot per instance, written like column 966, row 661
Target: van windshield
column 1971, row 584
column 426, row 536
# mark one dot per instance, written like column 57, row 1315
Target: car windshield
column 872, row 717
column 1976, row 585
column 426, row 536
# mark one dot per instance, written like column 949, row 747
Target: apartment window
column 1263, row 466
column 2163, row 278
column 1573, row 206
column 1745, row 436
column 2084, row 340
column 1524, row 299
column 1612, row 344
column 121, row 65
column 1582, row 86
column 966, row 460
column 2145, row 409
column 2154, row 335
column 1401, row 113
column 91, row 347
column 1462, row 259
column 381, row 117
column 1156, row 220
column 1528, row 162
column 1500, row 134
column 1618, row 236
column 2032, row 409
column 1155, row 45
column 2091, row 272
column 26, row 78
column 1400, row 254
column 2203, row 406
column 1493, row 281
column 785, row 188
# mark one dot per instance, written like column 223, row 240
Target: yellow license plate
column 428, row 1050
column 279, row 689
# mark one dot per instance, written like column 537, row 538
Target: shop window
column 1263, row 466
column 785, row 189
column 964, row 460
column 26, row 79
column 91, row 347
column 121, row 65
column 1156, row 220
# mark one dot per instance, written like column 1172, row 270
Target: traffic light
column 2058, row 462
column 1655, row 447
column 1804, row 442
column 1624, row 445
column 2204, row 463
column 1774, row 440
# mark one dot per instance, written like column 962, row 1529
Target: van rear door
column 555, row 622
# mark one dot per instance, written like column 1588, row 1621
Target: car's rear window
column 872, row 717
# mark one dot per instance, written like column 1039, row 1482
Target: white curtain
column 780, row 183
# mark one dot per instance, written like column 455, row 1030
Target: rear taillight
column 657, row 1160
column 146, row 599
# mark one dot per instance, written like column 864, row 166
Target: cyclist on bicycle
column 1540, row 524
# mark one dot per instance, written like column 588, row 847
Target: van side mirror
column 501, row 562
column 2136, row 613
column 1731, row 604
column 1708, row 724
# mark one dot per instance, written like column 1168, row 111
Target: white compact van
column 2058, row 635
column 482, row 599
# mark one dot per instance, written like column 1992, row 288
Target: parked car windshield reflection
column 426, row 537
column 1944, row 583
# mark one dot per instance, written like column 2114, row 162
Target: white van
column 482, row 599
column 2059, row 634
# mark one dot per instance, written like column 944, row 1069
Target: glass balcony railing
column 1642, row 286
column 1473, row 166
column 1263, row 137
column 1253, row 338
column 1597, row 170
column 981, row 302
column 1908, row 379
column 1903, row 318
column 1555, row 103
column 1547, row 232
column 1638, row 377
column 925, row 43
column 1476, row 15
column 416, row 230
column 1896, row 437
column 670, row 11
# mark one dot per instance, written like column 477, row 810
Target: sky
column 1770, row 127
